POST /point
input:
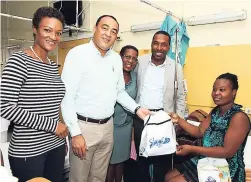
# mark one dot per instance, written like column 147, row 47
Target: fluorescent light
column 13, row 47
column 146, row 27
column 218, row 18
column 20, row 40
column 197, row 20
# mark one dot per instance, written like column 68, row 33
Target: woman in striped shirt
column 31, row 93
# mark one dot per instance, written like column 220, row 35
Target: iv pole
column 161, row 9
column 175, row 73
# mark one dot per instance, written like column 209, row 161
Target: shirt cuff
column 136, row 109
column 75, row 130
column 137, row 105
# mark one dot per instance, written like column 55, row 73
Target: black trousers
column 130, row 173
column 161, row 164
column 49, row 165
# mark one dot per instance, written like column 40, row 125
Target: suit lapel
column 168, row 73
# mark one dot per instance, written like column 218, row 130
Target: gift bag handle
column 147, row 121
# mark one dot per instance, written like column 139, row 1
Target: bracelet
column 137, row 108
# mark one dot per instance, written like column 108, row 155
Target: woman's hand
column 61, row 130
column 175, row 117
column 183, row 150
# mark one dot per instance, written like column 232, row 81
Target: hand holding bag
column 158, row 136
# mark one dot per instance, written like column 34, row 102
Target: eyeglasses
column 128, row 57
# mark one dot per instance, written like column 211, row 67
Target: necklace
column 39, row 57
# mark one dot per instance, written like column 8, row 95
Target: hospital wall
column 134, row 12
column 204, row 64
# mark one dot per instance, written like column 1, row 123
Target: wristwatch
column 137, row 108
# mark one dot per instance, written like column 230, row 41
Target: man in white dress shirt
column 155, row 83
column 94, row 83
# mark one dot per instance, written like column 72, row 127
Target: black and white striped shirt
column 31, row 93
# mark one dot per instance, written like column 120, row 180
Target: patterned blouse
column 214, row 136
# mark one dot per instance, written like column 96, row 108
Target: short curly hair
column 232, row 78
column 46, row 12
column 123, row 50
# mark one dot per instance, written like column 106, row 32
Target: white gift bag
column 213, row 170
column 158, row 136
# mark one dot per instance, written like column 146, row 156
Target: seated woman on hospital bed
column 224, row 134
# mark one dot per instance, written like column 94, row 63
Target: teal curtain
column 170, row 26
